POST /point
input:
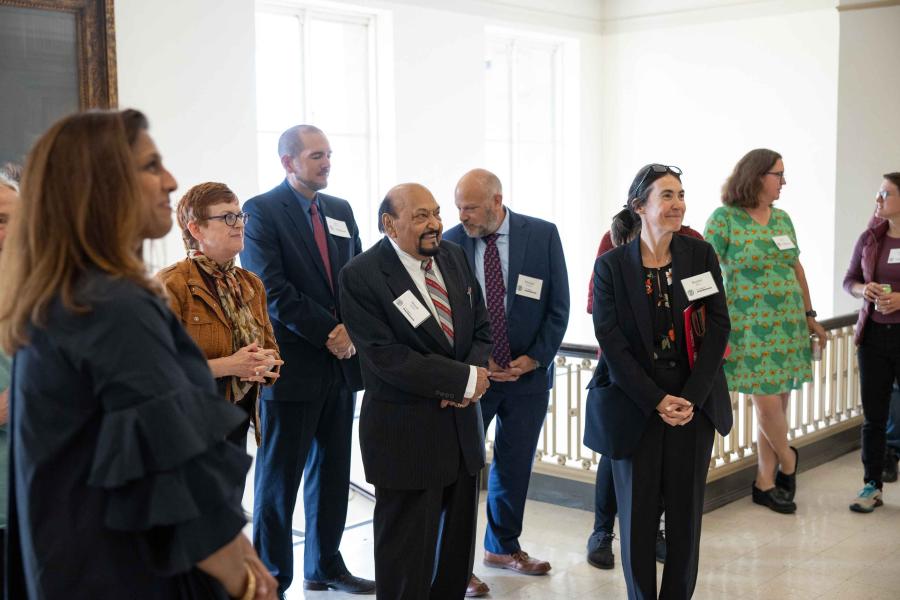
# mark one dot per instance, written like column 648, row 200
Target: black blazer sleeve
column 625, row 370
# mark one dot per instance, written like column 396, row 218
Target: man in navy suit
column 520, row 267
column 415, row 313
column 297, row 240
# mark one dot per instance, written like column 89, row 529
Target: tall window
column 524, row 120
column 316, row 66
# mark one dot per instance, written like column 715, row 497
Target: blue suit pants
column 519, row 421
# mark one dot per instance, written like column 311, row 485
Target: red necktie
column 321, row 240
column 495, row 291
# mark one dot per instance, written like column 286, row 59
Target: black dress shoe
column 342, row 583
column 600, row 552
column 774, row 499
column 788, row 483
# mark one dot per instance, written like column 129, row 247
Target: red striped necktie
column 321, row 240
column 440, row 300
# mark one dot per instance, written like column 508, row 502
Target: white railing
column 825, row 406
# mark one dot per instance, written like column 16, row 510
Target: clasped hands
column 675, row 410
column 482, row 383
column 517, row 367
column 255, row 363
column 339, row 343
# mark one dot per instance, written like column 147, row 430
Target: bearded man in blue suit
column 519, row 263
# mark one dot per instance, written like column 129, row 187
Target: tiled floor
column 824, row 551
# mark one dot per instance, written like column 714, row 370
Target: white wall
column 700, row 95
column 189, row 67
column 868, row 133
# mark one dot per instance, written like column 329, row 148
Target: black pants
column 425, row 540
column 671, row 462
column 879, row 365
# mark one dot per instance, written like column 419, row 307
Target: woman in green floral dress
column 767, row 298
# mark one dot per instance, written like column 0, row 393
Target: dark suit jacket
column 623, row 394
column 280, row 248
column 408, row 441
column 536, row 327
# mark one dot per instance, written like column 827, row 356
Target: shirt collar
column 409, row 261
column 305, row 202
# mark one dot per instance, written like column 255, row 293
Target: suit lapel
column 633, row 273
column 682, row 267
column 302, row 227
column 399, row 282
column 518, row 243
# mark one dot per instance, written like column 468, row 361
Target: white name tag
column 784, row 242
column 410, row 307
column 338, row 228
column 530, row 287
column 699, row 286
column 894, row 256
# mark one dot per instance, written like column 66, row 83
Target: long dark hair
column 81, row 209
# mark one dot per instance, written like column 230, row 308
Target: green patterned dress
column 769, row 337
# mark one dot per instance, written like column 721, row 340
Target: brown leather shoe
column 477, row 588
column 517, row 561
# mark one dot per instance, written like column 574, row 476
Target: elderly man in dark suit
column 414, row 311
column 297, row 240
column 519, row 263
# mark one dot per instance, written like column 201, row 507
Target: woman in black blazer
column 647, row 409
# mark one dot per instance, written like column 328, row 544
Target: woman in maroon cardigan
column 600, row 543
column 874, row 276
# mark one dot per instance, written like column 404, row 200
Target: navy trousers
column 519, row 421
column 314, row 438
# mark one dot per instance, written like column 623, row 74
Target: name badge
column 338, row 228
column 410, row 307
column 699, row 286
column 784, row 242
column 530, row 287
column 894, row 256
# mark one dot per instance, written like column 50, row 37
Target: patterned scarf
column 244, row 329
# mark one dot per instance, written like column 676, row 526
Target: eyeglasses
column 883, row 194
column 657, row 168
column 231, row 219
column 778, row 174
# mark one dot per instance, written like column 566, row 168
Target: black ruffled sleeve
column 170, row 477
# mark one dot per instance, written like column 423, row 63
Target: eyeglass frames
column 231, row 219
column 778, row 174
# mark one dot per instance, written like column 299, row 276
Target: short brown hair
column 893, row 178
column 743, row 186
column 194, row 207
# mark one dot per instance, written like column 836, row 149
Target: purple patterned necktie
column 321, row 240
column 495, row 291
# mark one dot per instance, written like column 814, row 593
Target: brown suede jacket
column 200, row 311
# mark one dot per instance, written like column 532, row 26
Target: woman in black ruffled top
column 122, row 480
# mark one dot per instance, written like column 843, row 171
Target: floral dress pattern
column 657, row 283
column 769, row 337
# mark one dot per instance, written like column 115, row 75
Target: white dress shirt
column 413, row 266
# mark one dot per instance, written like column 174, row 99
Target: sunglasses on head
column 657, row 168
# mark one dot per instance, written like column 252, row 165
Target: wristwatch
column 812, row 313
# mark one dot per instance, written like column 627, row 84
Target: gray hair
column 7, row 181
